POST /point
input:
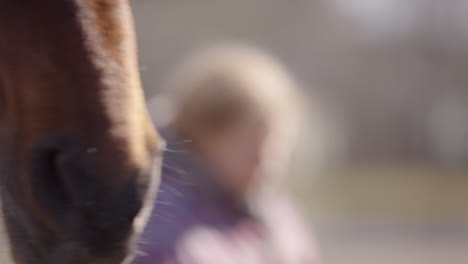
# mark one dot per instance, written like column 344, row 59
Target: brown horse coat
column 76, row 144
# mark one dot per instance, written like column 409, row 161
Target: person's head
column 239, row 108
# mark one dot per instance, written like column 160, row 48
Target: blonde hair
column 226, row 83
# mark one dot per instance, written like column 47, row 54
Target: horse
column 79, row 156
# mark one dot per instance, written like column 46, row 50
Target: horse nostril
column 78, row 193
column 50, row 180
column 53, row 174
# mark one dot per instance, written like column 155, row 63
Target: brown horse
column 76, row 145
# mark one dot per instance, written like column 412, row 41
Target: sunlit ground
column 388, row 214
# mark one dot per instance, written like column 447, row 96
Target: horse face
column 77, row 148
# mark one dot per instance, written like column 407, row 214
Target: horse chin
column 73, row 252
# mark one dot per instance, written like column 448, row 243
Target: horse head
column 78, row 153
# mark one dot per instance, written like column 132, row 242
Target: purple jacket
column 187, row 198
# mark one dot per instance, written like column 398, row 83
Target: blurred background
column 381, row 170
